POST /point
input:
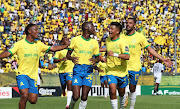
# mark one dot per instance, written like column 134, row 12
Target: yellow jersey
column 115, row 65
column 84, row 49
column 64, row 66
column 28, row 57
column 135, row 41
column 102, row 66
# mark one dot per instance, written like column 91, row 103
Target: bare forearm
column 57, row 60
column 68, row 56
column 124, row 56
column 154, row 53
column 102, row 49
column 57, row 48
column 5, row 54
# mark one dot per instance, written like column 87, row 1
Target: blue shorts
column 103, row 78
column 24, row 81
column 134, row 76
column 65, row 77
column 121, row 82
column 82, row 75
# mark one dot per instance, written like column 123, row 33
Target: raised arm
column 57, row 48
column 155, row 54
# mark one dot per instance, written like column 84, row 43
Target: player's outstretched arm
column 57, row 48
column 122, row 56
column 154, row 53
column 5, row 54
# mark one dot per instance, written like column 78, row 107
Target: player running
column 28, row 51
column 136, row 41
column 158, row 68
column 118, row 53
column 65, row 72
column 83, row 49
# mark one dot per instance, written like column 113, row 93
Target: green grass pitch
column 142, row 102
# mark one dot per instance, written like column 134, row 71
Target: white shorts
column 157, row 78
column 38, row 82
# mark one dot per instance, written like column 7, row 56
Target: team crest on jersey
column 126, row 48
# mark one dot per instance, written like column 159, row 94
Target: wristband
column 116, row 55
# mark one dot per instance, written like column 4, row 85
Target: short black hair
column 28, row 27
column 133, row 18
column 84, row 24
column 118, row 25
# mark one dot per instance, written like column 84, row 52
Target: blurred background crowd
column 156, row 19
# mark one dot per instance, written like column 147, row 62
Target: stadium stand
column 62, row 18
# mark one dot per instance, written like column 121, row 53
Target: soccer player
column 65, row 72
column 117, row 54
column 28, row 51
column 101, row 67
column 83, row 48
column 158, row 68
column 136, row 41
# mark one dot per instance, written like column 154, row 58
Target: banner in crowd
column 5, row 92
column 163, row 90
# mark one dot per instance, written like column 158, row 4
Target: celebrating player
column 28, row 51
column 136, row 41
column 158, row 68
column 83, row 48
column 65, row 72
column 118, row 53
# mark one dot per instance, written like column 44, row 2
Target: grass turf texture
column 142, row 102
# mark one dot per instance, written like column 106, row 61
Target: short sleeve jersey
column 28, row 56
column 102, row 66
column 115, row 65
column 64, row 66
column 135, row 41
column 84, row 49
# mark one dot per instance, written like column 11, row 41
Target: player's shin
column 83, row 104
column 121, row 102
column 69, row 96
column 114, row 104
column 71, row 106
column 106, row 92
column 132, row 96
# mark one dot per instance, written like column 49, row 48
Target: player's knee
column 121, row 94
column 75, row 97
column 24, row 96
column 132, row 89
column 33, row 101
column 83, row 97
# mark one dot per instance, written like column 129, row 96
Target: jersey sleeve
column 96, row 49
column 124, row 48
column 143, row 41
column 44, row 47
column 71, row 46
column 14, row 48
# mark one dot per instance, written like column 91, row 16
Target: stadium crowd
column 62, row 18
